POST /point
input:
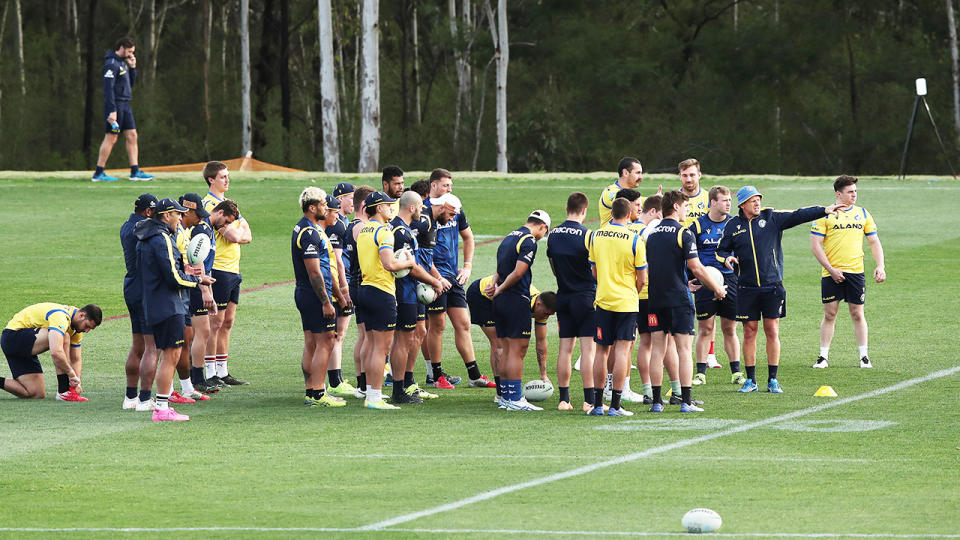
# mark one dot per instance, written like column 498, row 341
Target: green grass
column 255, row 457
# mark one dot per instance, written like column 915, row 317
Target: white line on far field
column 683, row 443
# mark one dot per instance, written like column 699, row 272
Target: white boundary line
column 649, row 452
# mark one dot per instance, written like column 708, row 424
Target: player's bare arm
column 816, row 246
column 519, row 271
column 464, row 274
column 879, row 273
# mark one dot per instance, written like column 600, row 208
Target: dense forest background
column 758, row 86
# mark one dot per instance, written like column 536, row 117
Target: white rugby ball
column 401, row 255
column 537, row 390
column 198, row 249
column 425, row 294
column 649, row 228
column 701, row 520
column 715, row 274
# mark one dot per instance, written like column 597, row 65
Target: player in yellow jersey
column 630, row 175
column 837, row 243
column 690, row 175
column 37, row 329
column 377, row 301
column 226, row 270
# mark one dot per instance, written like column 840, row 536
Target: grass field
column 881, row 460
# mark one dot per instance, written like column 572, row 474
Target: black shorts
column 311, row 312
column 614, row 326
column 852, row 290
column 196, row 303
column 343, row 311
column 676, row 320
column 407, row 317
column 481, row 307
column 644, row 326
column 707, row 307
column 124, row 118
column 378, row 309
column 138, row 323
column 168, row 334
column 511, row 313
column 421, row 312
column 456, row 297
column 575, row 315
column 17, row 346
column 227, row 288
column 355, row 296
column 756, row 302
column 188, row 321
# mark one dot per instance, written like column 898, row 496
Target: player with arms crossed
column 340, row 205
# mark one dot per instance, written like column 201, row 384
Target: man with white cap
column 752, row 241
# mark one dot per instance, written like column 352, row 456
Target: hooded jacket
column 118, row 81
column 161, row 272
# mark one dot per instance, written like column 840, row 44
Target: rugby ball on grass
column 537, row 390
column 198, row 249
column 701, row 520
column 401, row 255
column 425, row 294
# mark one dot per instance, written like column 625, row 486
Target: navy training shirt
column 669, row 246
column 517, row 246
column 567, row 250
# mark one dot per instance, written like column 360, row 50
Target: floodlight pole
column 921, row 92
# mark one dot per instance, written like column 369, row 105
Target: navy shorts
column 756, row 302
column 614, row 326
column 355, row 296
column 196, row 303
column 643, row 318
column 124, row 118
column 676, row 320
column 311, row 312
column 226, row 289
column 511, row 313
column 188, row 321
column 378, row 309
column 575, row 315
column 421, row 312
column 481, row 307
column 138, row 324
column 456, row 297
column 707, row 307
column 168, row 334
column 407, row 317
column 17, row 346
column 343, row 311
column 853, row 290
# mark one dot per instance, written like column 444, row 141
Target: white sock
column 209, row 366
column 609, row 385
column 429, row 368
column 161, row 405
column 626, row 384
column 221, row 368
column 824, row 352
column 186, row 386
column 863, row 350
column 373, row 395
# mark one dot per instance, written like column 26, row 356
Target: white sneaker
column 147, row 405
column 522, row 405
column 623, row 412
column 630, row 396
column 712, row 361
column 865, row 363
column 576, row 366
column 130, row 404
column 607, row 394
column 821, row 363
column 360, row 393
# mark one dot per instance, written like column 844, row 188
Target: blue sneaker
column 619, row 412
column 657, row 407
column 774, row 387
column 596, row 411
column 141, row 176
column 748, row 386
column 103, row 177
column 689, row 408
column 388, row 380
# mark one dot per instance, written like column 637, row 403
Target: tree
column 330, row 105
column 952, row 26
column 247, row 126
column 498, row 31
column 370, row 88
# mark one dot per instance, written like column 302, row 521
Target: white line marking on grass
column 652, row 451
column 593, row 456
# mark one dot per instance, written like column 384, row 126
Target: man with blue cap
column 752, row 241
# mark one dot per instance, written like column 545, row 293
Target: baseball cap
column 542, row 215
column 192, row 201
column 169, row 205
column 333, row 202
column 745, row 193
column 448, row 199
column 342, row 189
column 147, row 200
column 378, row 197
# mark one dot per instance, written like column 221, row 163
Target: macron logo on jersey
column 567, row 230
column 310, row 249
column 108, row 74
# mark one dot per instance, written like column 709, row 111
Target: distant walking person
column 119, row 76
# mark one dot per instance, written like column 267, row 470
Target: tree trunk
column 265, row 73
column 224, row 42
column 370, row 88
column 285, row 77
column 247, row 126
column 503, row 60
column 466, row 14
column 416, row 67
column 23, row 75
column 330, row 106
column 952, row 25
column 88, row 117
column 207, row 30
column 73, row 22
column 458, row 57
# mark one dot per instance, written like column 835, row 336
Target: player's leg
column 671, row 363
column 148, row 371
column 827, row 327
column 306, row 362
column 322, row 347
column 510, row 367
column 496, row 353
column 621, row 370
column 706, row 330
column 643, row 346
column 731, row 344
column 684, row 343
column 771, row 330
column 460, row 319
column 400, row 353
column 21, row 348
column 750, row 330
column 658, row 349
column 183, row 368
column 564, row 357
column 109, row 139
column 210, row 355
column 588, row 351
column 198, row 353
column 338, row 386
column 860, row 332
column 436, row 323
column 133, row 146
column 132, row 370
column 378, row 348
column 169, row 356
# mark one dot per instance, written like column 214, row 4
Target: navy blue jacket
column 118, row 80
column 161, row 270
column 757, row 243
column 132, row 289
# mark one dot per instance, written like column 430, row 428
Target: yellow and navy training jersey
column 183, row 240
column 227, row 256
column 309, row 242
column 639, row 227
column 375, row 237
column 50, row 315
column 607, row 197
column 699, row 205
column 617, row 252
column 518, row 246
column 534, row 294
column 843, row 235
column 708, row 233
column 334, row 269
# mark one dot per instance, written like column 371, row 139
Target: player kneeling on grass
column 511, row 297
column 165, row 284
column 37, row 329
column 542, row 306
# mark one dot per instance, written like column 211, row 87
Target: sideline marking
column 652, row 451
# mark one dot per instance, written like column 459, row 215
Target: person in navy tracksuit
column 119, row 76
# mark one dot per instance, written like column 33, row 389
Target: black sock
column 656, row 394
column 772, row 372
column 397, row 391
column 196, row 375
column 362, row 382
column 98, row 171
column 473, row 371
column 131, row 392
column 496, row 380
column 408, row 379
column 702, row 368
column 752, row 373
column 734, row 366
column 134, row 169
column 588, row 395
column 615, row 399
column 2, row 381
column 335, row 377
column 437, row 370
column 144, row 396
column 308, row 393
column 63, row 383
column 565, row 393
column 685, row 394
column 597, row 397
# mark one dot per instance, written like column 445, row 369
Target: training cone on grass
column 825, row 391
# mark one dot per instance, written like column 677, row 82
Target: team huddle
column 656, row 274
